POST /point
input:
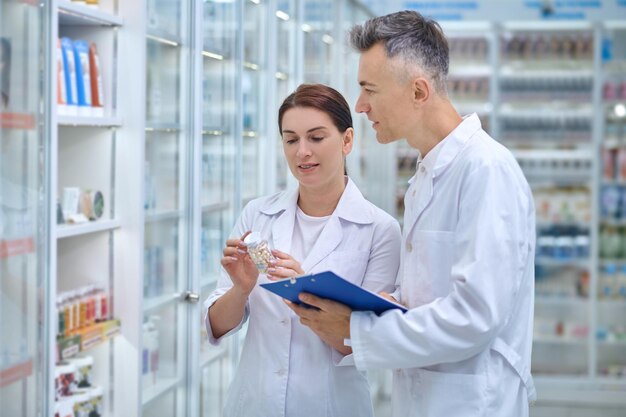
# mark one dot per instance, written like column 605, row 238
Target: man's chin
column 384, row 139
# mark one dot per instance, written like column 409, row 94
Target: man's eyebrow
column 308, row 131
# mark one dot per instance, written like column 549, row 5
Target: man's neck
column 437, row 122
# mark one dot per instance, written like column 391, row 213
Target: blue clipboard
column 331, row 286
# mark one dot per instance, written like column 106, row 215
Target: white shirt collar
column 350, row 206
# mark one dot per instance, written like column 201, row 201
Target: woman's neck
column 321, row 202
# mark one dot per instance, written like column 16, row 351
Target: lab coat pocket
column 349, row 264
column 438, row 394
column 428, row 266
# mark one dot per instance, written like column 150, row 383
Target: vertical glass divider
column 596, row 135
column 47, row 248
column 268, row 165
column 238, row 136
column 194, row 199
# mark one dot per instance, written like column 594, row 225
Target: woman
column 326, row 223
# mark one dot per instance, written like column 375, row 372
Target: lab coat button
column 284, row 321
column 409, row 247
column 280, row 372
column 413, row 193
column 422, row 168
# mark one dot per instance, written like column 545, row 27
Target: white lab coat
column 285, row 368
column 467, row 274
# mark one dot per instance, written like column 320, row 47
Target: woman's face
column 314, row 147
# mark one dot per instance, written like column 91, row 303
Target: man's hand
column 328, row 319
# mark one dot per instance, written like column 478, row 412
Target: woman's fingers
column 284, row 260
column 228, row 260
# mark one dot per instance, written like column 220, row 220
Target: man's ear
column 421, row 90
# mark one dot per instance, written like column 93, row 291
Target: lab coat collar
column 445, row 151
column 438, row 159
column 348, row 208
column 351, row 207
column 452, row 144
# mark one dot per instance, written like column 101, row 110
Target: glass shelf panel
column 163, row 83
column 23, row 218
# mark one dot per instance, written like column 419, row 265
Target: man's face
column 385, row 101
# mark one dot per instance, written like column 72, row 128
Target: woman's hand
column 240, row 268
column 284, row 267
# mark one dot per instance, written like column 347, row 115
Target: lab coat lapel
column 327, row 242
column 282, row 231
column 424, row 195
column 282, row 227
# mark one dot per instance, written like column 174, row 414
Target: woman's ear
column 348, row 140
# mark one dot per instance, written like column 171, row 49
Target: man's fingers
column 387, row 296
column 324, row 304
column 301, row 311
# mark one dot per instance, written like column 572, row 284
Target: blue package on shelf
column 83, row 73
column 331, row 286
column 69, row 67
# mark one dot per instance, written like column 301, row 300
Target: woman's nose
column 303, row 149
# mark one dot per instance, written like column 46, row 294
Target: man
column 467, row 268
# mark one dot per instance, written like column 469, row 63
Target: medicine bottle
column 259, row 251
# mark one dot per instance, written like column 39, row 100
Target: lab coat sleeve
column 224, row 283
column 384, row 260
column 492, row 243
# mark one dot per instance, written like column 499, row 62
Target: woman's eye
column 290, row 141
column 317, row 139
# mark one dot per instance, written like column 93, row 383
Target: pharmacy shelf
column 612, row 343
column 216, row 207
column 162, row 215
column 88, row 339
column 89, row 121
column 207, row 281
column 479, row 107
column 151, row 304
column 547, row 26
column 512, row 73
column 209, row 131
column 162, row 387
column 613, row 304
column 16, row 247
column 470, row 71
column 542, row 224
column 74, row 14
column 562, row 301
column 65, row 231
column 554, row 154
column 211, row 354
column 16, row 372
column 581, row 390
column 164, row 38
column 163, row 127
column 563, row 341
column 580, row 263
column 546, row 113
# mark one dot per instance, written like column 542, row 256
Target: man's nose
column 361, row 105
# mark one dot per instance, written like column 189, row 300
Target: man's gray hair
column 416, row 40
